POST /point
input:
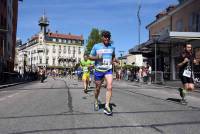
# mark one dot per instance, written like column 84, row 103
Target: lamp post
column 121, row 53
column 24, row 62
column 31, row 62
column 155, row 36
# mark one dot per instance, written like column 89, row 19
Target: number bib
column 187, row 73
column 85, row 69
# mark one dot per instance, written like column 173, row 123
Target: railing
column 8, row 77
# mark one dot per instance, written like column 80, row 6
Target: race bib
column 187, row 73
column 107, row 62
column 85, row 69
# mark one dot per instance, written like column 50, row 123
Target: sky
column 78, row 17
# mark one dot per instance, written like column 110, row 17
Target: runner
column 86, row 64
column 104, row 55
column 186, row 71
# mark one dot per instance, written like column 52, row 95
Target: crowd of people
column 138, row 74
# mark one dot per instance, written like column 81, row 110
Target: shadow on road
column 102, row 106
column 174, row 100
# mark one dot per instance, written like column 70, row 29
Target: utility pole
column 156, row 38
column 139, row 20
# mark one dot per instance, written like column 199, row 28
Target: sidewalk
column 176, row 84
column 12, row 84
column 173, row 85
column 15, row 83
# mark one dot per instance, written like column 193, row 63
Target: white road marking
column 10, row 96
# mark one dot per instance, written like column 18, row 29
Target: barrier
column 159, row 77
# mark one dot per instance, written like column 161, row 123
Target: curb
column 165, row 86
column 13, row 84
column 9, row 85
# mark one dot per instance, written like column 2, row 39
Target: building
column 181, row 21
column 8, row 27
column 50, row 50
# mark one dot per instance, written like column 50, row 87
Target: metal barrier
column 197, row 79
column 159, row 77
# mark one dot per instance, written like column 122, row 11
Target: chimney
column 170, row 8
column 161, row 14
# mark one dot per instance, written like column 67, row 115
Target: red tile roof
column 34, row 37
column 65, row 36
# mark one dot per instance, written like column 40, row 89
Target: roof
column 65, row 36
column 172, row 11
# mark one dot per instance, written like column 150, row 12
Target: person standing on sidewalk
column 187, row 59
column 104, row 55
column 86, row 64
column 149, row 70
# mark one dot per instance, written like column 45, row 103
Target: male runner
column 104, row 55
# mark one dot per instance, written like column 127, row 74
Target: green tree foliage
column 94, row 38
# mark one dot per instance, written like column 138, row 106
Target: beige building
column 181, row 21
column 52, row 50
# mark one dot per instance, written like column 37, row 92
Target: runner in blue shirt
column 104, row 55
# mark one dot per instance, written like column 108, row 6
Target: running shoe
column 181, row 92
column 85, row 91
column 107, row 111
column 184, row 102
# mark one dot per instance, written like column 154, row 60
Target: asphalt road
column 60, row 107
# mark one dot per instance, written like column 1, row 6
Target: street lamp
column 155, row 53
column 121, row 53
column 25, row 61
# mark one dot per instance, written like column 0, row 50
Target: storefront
column 176, row 41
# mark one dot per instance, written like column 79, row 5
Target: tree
column 94, row 38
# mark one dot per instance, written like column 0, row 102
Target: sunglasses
column 108, row 37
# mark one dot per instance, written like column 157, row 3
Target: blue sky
column 80, row 16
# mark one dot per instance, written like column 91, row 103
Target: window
column 47, row 51
column 73, row 41
column 53, row 61
column 69, row 50
column 60, row 40
column 194, row 22
column 79, row 50
column 47, row 61
column 60, row 49
column 54, row 39
column 64, row 50
column 69, row 41
column 40, row 60
column 74, row 50
column 54, row 49
column 179, row 25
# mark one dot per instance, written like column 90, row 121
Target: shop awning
column 173, row 36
